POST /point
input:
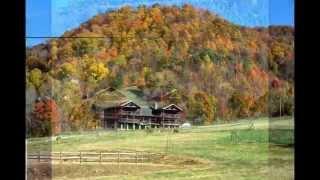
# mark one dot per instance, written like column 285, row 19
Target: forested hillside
column 207, row 65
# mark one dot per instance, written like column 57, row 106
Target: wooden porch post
column 162, row 113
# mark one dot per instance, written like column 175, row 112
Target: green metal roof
column 146, row 111
column 107, row 104
column 106, row 99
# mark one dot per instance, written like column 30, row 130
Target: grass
column 228, row 151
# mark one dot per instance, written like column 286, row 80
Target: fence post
column 118, row 157
column 136, row 157
column 141, row 157
column 80, row 157
column 39, row 156
column 60, row 157
column 100, row 157
column 118, row 161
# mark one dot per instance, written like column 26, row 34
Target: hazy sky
column 51, row 18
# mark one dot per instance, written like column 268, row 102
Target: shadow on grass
column 282, row 137
column 279, row 137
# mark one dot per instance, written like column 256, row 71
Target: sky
column 51, row 18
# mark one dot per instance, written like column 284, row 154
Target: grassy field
column 246, row 149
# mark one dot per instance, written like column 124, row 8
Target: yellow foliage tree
column 98, row 71
column 207, row 105
column 35, row 78
column 92, row 72
column 67, row 69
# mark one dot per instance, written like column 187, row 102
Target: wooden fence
column 115, row 157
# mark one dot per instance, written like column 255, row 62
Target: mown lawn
column 239, row 150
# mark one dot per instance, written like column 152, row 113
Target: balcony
column 170, row 116
column 129, row 113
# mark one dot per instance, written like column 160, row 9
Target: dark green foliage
column 287, row 70
column 34, row 62
column 82, row 46
column 116, row 82
column 247, row 64
column 280, row 102
column 38, row 128
column 200, row 55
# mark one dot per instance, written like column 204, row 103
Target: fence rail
column 119, row 157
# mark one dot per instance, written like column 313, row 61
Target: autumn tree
column 82, row 118
column 204, row 106
column 84, row 46
column 45, row 118
column 33, row 62
column 241, row 103
column 67, row 70
column 68, row 95
column 53, row 51
column 281, row 100
column 91, row 72
column 66, row 51
column 261, row 105
column 35, row 78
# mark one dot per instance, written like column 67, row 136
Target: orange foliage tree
column 206, row 106
column 47, row 116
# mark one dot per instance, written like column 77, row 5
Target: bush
column 175, row 130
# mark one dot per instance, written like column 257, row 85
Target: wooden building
column 128, row 115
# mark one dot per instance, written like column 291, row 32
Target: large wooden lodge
column 128, row 115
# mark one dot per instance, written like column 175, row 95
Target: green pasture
column 245, row 149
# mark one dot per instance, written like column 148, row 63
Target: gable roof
column 173, row 106
column 114, row 103
column 129, row 103
column 105, row 98
column 165, row 107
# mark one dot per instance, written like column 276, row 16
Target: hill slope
column 212, row 67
